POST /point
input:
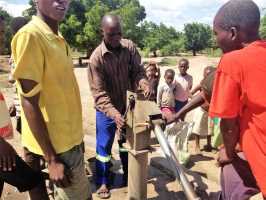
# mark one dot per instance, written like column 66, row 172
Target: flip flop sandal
column 103, row 194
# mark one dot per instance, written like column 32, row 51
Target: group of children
column 174, row 92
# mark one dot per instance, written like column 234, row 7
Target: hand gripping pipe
column 174, row 163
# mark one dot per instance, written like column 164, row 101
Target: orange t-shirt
column 240, row 91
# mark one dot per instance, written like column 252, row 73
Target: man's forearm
column 111, row 112
column 38, row 127
column 230, row 133
column 196, row 89
column 195, row 102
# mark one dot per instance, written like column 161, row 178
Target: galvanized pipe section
column 173, row 161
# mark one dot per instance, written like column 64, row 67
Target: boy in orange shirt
column 239, row 99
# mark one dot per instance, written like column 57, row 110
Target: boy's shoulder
column 126, row 43
column 188, row 76
column 29, row 30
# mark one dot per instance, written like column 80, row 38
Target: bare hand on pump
column 58, row 173
column 119, row 121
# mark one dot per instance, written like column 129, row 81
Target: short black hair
column 184, row 60
column 17, row 23
column 169, row 71
column 242, row 14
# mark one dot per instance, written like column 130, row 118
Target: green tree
column 92, row 29
column 131, row 13
column 72, row 26
column 5, row 47
column 263, row 27
column 151, row 37
column 160, row 37
column 81, row 27
column 173, row 47
column 30, row 11
column 198, row 37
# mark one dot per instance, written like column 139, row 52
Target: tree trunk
column 80, row 61
column 194, row 52
column 154, row 54
column 89, row 52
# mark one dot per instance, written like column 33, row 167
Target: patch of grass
column 168, row 61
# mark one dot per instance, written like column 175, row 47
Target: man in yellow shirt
column 50, row 98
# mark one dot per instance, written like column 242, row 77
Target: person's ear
column 234, row 33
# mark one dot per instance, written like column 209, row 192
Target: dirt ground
column 160, row 185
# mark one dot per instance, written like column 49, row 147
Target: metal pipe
column 173, row 161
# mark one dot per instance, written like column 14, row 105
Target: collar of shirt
column 172, row 85
column 181, row 76
column 48, row 33
column 105, row 50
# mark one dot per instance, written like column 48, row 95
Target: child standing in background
column 166, row 94
column 185, row 83
column 200, row 118
column 153, row 75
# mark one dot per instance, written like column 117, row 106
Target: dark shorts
column 179, row 105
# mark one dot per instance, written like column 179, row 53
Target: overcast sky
column 171, row 12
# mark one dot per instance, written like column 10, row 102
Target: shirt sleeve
column 29, row 61
column 226, row 96
column 97, row 86
column 137, row 72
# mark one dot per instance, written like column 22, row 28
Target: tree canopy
column 81, row 27
column 263, row 28
column 197, row 37
column 160, row 37
column 5, row 47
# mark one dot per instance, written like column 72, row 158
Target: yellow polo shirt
column 44, row 57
